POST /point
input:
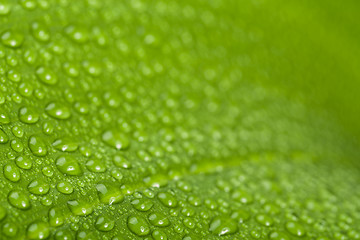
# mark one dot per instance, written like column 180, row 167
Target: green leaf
column 179, row 119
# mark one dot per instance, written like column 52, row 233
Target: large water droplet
column 158, row 219
column 58, row 111
column 38, row 230
column 28, row 115
column 37, row 146
column 223, row 225
column 39, row 187
column 167, row 199
column 109, row 194
column 12, row 39
column 46, row 75
column 68, row 165
column 80, row 208
column 138, row 225
column 104, row 223
column 19, row 200
column 12, row 172
column 115, row 139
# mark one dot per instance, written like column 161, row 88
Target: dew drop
column 65, row 145
column 167, row 199
column 159, row 220
column 138, row 225
column 115, row 139
column 58, row 111
column 104, row 224
column 142, row 204
column 159, row 235
column 223, row 225
column 28, row 115
column 19, row 200
column 9, row 229
column 276, row 235
column 37, row 146
column 12, row 172
column 295, row 228
column 65, row 187
column 39, row 187
column 23, row 162
column 68, row 165
column 80, row 208
column 96, row 166
column 56, row 218
column 3, row 137
column 46, row 75
column 12, row 39
column 38, row 230
column 40, row 32
column 109, row 194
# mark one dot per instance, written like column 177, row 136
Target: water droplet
column 4, row 118
column 5, row 8
column 77, row 34
column 255, row 234
column 23, row 162
column 12, row 39
column 3, row 213
column 96, row 165
column 82, row 107
column 115, row 173
column 17, row 145
column 64, row 235
column 264, row 220
column 46, row 75
column 109, row 194
column 138, row 225
column 167, row 199
column 65, row 187
column 122, row 162
column 12, row 172
column 159, row 220
column 39, row 187
column 28, row 4
column 68, row 165
column 93, row 68
column 28, row 115
column 80, row 208
column 194, row 200
column 38, row 230
column 159, row 235
column 14, row 75
column 142, row 204
column 40, row 32
column 275, row 235
column 189, row 223
column 104, row 224
column 65, row 145
column 25, row 89
column 295, row 228
column 56, row 218
column 115, row 139
column 9, row 229
column 71, row 69
column 3, row 137
column 223, row 225
column 240, row 215
column 19, row 200
column 243, row 197
column 37, row 146
column 58, row 111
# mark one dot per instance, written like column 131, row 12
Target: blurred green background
column 312, row 54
